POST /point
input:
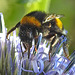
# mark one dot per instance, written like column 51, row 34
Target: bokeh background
column 14, row 10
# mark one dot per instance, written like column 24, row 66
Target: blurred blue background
column 14, row 10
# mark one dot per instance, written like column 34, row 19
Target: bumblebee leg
column 24, row 47
column 65, row 50
column 27, row 47
column 53, row 42
column 35, row 48
column 13, row 29
column 50, row 50
column 37, row 43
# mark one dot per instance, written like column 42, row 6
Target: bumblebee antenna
column 13, row 29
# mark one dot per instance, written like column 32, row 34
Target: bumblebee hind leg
column 23, row 52
column 13, row 29
column 27, row 48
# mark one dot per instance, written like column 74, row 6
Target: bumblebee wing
column 48, row 18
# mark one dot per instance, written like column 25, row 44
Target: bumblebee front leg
column 50, row 50
column 65, row 50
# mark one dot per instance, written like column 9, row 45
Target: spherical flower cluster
column 38, row 63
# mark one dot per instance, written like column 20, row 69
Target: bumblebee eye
column 59, row 23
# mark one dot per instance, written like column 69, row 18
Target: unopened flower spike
column 70, row 65
column 72, row 62
column 72, row 55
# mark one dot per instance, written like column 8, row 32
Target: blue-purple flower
column 38, row 63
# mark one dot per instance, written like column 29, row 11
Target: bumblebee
column 36, row 22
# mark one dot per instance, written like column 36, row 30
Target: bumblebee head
column 54, row 20
column 55, row 24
